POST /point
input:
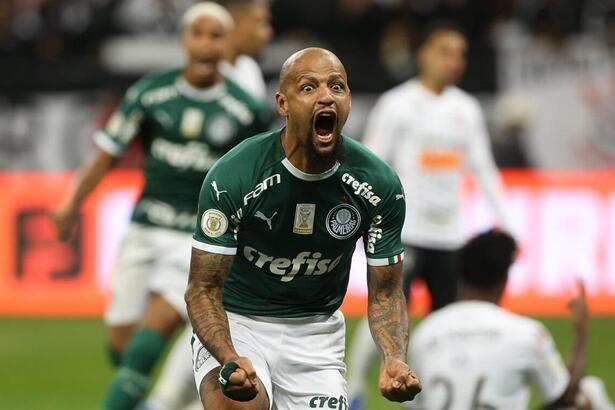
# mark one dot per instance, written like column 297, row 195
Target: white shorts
column 299, row 361
column 150, row 259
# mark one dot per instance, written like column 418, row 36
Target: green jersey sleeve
column 382, row 241
column 218, row 213
column 124, row 124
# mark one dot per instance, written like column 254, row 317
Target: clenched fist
column 397, row 382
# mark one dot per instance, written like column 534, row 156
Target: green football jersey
column 294, row 233
column 184, row 131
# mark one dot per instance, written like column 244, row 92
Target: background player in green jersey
column 279, row 217
column 186, row 119
column 251, row 33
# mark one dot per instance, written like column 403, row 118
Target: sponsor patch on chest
column 192, row 122
column 304, row 219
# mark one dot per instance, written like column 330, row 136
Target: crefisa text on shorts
column 328, row 402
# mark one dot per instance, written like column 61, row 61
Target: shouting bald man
column 279, row 217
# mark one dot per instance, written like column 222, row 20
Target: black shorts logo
column 343, row 221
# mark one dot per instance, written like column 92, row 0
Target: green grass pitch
column 61, row 364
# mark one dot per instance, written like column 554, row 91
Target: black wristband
column 225, row 372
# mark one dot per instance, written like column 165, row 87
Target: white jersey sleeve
column 247, row 74
column 547, row 369
column 481, row 163
column 381, row 131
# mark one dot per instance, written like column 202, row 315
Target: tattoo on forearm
column 387, row 312
column 208, row 272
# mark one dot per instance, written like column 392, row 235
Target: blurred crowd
column 543, row 69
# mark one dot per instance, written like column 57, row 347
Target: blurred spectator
column 558, row 86
column 550, row 59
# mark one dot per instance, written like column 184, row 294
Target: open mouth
column 204, row 64
column 324, row 126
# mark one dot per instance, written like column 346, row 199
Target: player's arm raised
column 577, row 359
column 208, row 273
column 88, row 177
column 388, row 321
column 122, row 128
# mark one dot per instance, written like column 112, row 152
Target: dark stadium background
column 64, row 64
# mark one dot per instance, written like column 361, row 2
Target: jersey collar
column 200, row 94
column 296, row 171
column 309, row 177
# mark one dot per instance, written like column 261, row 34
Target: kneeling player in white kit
column 432, row 133
column 473, row 354
column 272, row 251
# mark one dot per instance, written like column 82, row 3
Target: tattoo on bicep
column 208, row 272
column 387, row 312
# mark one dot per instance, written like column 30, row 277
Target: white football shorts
column 300, row 361
column 150, row 259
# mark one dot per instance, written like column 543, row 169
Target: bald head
column 308, row 59
column 315, row 100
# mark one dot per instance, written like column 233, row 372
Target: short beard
column 328, row 160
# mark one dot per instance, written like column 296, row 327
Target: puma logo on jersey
column 262, row 186
column 215, row 187
column 362, row 189
column 313, row 262
column 399, row 196
column 262, row 216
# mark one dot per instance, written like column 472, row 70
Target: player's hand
column 579, row 313
column 65, row 220
column 397, row 382
column 242, row 383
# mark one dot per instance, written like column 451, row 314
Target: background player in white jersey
column 186, row 119
column 271, row 256
column 431, row 132
column 474, row 354
column 250, row 35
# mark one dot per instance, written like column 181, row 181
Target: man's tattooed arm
column 387, row 311
column 208, row 272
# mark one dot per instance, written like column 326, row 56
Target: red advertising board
column 565, row 222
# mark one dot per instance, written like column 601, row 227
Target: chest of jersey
column 182, row 120
column 293, row 227
column 189, row 135
column 433, row 137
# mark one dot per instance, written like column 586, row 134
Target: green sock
column 115, row 356
column 132, row 379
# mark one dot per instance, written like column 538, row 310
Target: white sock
column 362, row 354
column 594, row 389
column 175, row 388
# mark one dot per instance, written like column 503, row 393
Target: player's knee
column 118, row 337
column 161, row 316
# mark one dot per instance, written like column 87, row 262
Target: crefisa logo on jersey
column 214, row 223
column 343, row 221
